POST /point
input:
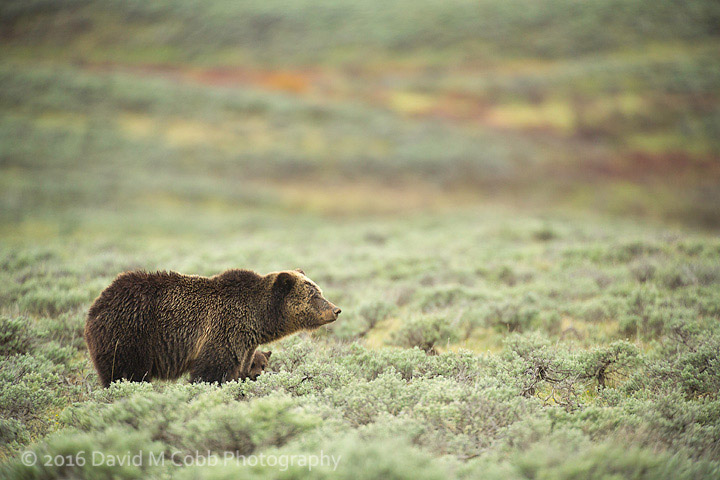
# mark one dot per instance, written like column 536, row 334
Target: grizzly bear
column 161, row 325
column 259, row 364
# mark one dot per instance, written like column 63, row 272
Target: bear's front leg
column 214, row 366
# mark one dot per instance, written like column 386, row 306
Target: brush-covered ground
column 503, row 198
column 473, row 343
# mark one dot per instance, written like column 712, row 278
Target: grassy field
column 515, row 204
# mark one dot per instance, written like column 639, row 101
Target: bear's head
column 300, row 302
column 259, row 363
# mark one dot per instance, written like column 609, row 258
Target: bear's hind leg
column 103, row 372
column 131, row 366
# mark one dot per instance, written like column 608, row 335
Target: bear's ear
column 299, row 270
column 267, row 354
column 283, row 283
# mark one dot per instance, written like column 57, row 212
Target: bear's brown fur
column 163, row 324
column 259, row 364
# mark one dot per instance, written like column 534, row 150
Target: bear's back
column 137, row 291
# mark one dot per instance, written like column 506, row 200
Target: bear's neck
column 251, row 296
column 274, row 325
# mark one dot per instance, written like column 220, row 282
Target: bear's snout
column 332, row 313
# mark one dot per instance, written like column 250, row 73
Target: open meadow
column 515, row 204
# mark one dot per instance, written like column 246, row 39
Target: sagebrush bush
column 605, row 364
column 29, row 385
column 564, row 459
column 66, row 329
column 13, row 432
column 242, row 427
column 82, row 455
column 16, row 336
column 197, row 418
column 513, row 315
column 357, row 457
column 686, row 361
column 364, row 319
column 426, row 332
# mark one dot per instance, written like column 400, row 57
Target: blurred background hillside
column 359, row 107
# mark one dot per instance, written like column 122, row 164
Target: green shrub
column 357, row 457
column 53, row 300
column 691, row 273
column 243, row 427
column 425, row 332
column 82, row 455
column 579, row 460
column 687, row 361
column 531, row 363
column 672, row 422
column 29, row 385
column 437, row 298
column 15, row 336
column 197, row 418
column 365, row 318
column 67, row 329
column 545, row 233
column 643, row 270
column 13, row 432
column 511, row 276
column 601, row 364
column 513, row 315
